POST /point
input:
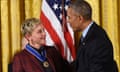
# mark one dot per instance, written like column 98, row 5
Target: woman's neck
column 36, row 46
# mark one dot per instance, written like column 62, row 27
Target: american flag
column 58, row 32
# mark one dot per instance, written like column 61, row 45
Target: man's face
column 38, row 35
column 73, row 19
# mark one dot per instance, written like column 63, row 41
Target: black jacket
column 95, row 53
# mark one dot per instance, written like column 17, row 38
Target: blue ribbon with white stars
column 40, row 57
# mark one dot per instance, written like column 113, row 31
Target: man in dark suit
column 95, row 51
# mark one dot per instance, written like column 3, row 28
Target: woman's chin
column 43, row 43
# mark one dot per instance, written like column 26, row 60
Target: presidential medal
column 46, row 64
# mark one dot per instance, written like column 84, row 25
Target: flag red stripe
column 68, row 37
column 52, row 33
column 70, row 44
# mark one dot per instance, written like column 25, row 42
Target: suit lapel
column 88, row 36
column 90, row 32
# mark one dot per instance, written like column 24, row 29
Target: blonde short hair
column 28, row 25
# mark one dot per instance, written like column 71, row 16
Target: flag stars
column 60, row 7
column 60, row 16
column 67, row 0
column 66, row 7
column 55, row 6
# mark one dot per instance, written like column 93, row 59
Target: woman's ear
column 27, row 36
column 24, row 42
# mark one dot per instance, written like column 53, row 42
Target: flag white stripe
column 54, row 22
column 58, row 28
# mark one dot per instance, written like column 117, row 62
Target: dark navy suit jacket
column 95, row 53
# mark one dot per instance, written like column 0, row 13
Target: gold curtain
column 13, row 12
column 110, row 24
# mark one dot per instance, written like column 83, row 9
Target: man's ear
column 81, row 19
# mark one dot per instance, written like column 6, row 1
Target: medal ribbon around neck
column 40, row 57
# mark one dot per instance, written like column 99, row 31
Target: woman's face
column 38, row 35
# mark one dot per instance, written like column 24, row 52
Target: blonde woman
column 36, row 57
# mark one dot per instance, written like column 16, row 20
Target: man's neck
column 85, row 24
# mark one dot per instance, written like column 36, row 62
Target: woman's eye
column 40, row 31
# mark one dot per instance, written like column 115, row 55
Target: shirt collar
column 84, row 33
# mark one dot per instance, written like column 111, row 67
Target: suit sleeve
column 102, row 57
column 17, row 66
